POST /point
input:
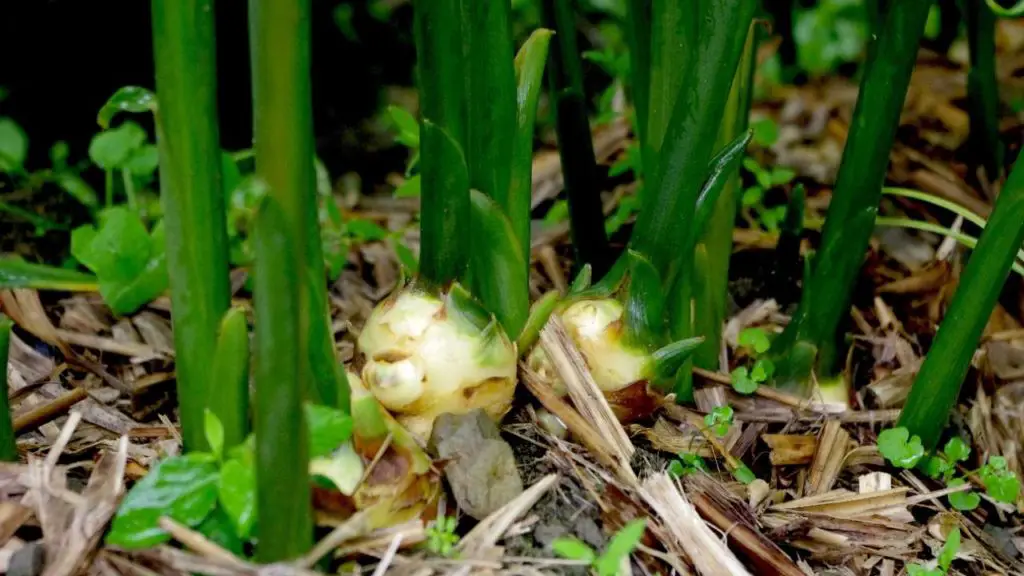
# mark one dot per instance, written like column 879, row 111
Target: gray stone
column 480, row 466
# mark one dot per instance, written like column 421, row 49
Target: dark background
column 61, row 59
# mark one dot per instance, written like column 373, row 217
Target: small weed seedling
column 719, row 420
column 608, row 563
column 752, row 201
column 945, row 559
column 906, row 451
column 755, row 342
column 686, row 464
column 441, row 536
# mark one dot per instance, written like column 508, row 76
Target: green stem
column 937, row 386
column 193, row 203
column 8, row 447
column 982, row 88
column 444, row 215
column 710, row 299
column 489, row 97
column 108, row 190
column 638, row 37
column 283, row 144
column 129, row 190
column 285, row 529
column 964, row 239
column 851, row 214
column 575, row 145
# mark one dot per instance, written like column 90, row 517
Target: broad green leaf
column 963, row 501
column 218, row 529
column 573, row 549
column 13, row 146
column 900, row 448
column 214, row 433
column 126, row 99
column 17, row 273
column 620, row 546
column 237, row 493
column 183, row 488
column 152, row 281
column 329, row 428
column 112, row 148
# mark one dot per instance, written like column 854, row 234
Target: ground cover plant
column 713, row 287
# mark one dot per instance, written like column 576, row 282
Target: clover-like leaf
column 183, row 488
column 113, row 148
column 963, row 501
column 742, row 382
column 956, row 450
column 762, row 371
column 1000, row 483
column 755, row 339
column 899, row 448
column 719, row 419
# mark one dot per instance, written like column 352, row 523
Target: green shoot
column 906, row 451
column 686, row 464
column 719, row 420
column 608, row 563
column 441, row 536
column 943, row 562
column 755, row 342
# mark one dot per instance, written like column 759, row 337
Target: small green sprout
column 753, row 197
column 1000, row 483
column 944, row 561
column 441, row 536
column 686, row 464
column 754, row 340
column 746, row 380
column 906, row 451
column 744, row 474
column 899, row 448
column 619, row 548
column 719, row 420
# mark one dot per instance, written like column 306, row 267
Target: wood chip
column 833, row 444
column 790, row 449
